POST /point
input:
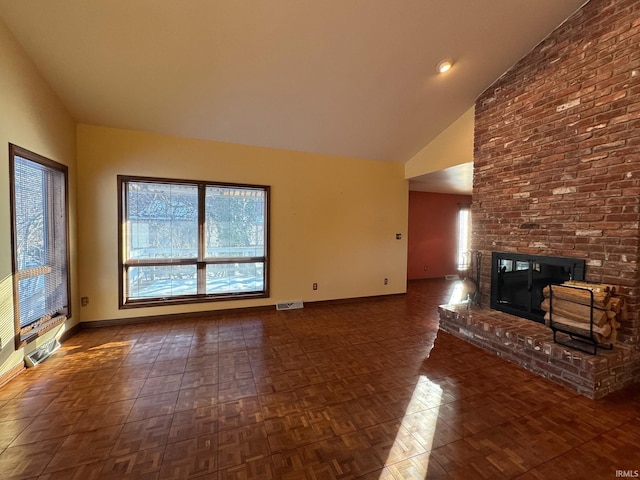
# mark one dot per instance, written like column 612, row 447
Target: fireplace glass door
column 517, row 281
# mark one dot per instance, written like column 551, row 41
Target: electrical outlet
column 386, row 281
column 315, row 286
column 84, row 301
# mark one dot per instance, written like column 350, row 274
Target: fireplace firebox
column 517, row 281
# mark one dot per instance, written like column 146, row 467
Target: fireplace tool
column 473, row 290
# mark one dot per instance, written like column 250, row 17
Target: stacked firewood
column 573, row 309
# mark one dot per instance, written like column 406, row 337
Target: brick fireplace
column 557, row 172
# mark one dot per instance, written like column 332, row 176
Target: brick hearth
column 530, row 345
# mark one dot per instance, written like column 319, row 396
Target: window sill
column 196, row 299
column 35, row 330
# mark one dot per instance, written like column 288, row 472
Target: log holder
column 585, row 343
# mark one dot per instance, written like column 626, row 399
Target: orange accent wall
column 432, row 241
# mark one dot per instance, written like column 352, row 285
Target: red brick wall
column 557, row 152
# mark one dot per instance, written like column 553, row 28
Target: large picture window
column 185, row 241
column 39, row 243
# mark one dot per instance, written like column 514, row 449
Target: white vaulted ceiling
column 341, row 77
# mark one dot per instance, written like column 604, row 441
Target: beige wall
column 333, row 220
column 454, row 146
column 33, row 118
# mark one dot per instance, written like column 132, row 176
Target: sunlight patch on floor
column 457, row 294
column 409, row 453
column 123, row 343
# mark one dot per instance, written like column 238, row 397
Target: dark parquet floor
column 366, row 390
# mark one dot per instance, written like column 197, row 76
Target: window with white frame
column 39, row 243
column 191, row 241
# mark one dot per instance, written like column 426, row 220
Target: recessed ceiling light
column 444, row 66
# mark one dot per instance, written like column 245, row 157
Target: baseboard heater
column 289, row 305
column 41, row 353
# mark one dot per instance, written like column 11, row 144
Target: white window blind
column 39, row 237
